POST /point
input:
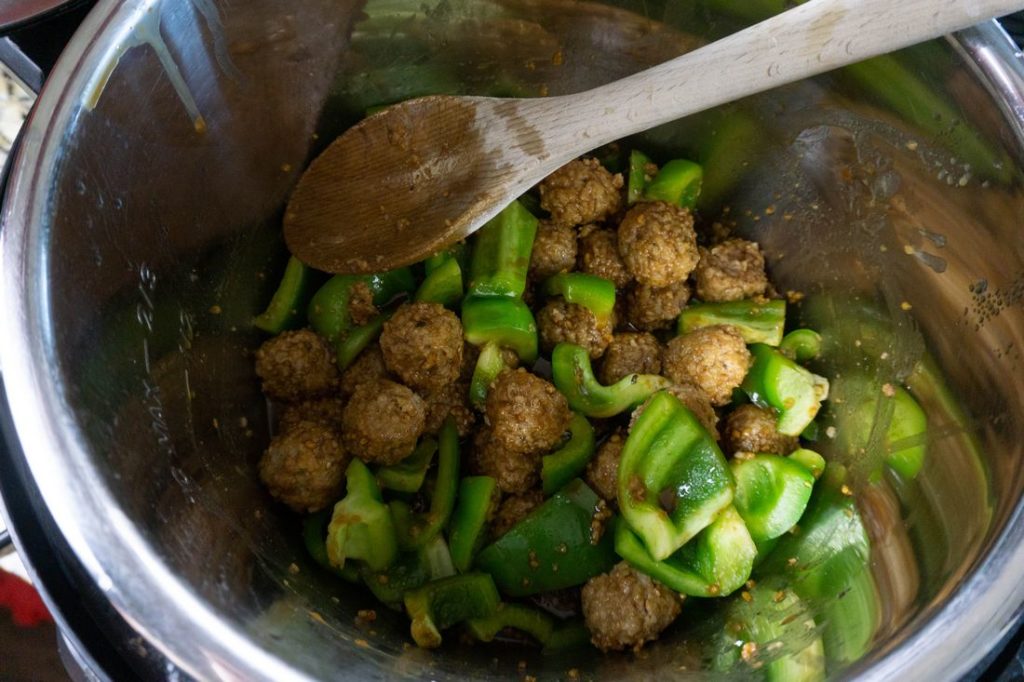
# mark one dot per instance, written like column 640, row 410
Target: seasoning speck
column 216, row 310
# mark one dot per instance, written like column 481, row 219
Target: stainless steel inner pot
column 141, row 234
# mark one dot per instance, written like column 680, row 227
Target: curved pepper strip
column 356, row 340
column 408, row 475
column 673, row 480
column 639, row 176
column 501, row 253
column 552, row 548
column 506, row 322
column 361, row 525
column 594, row 293
column 771, row 493
column 793, row 392
column 489, row 365
column 569, row 461
column 810, row 460
column 443, row 284
column 442, row 603
column 459, row 251
column 286, row 307
column 772, row 614
column 409, row 571
column 801, row 345
column 678, row 182
column 716, row 564
column 478, row 499
column 831, row 555
column 574, row 377
column 756, row 321
column 314, row 532
column 533, row 622
column 416, row 530
column 328, row 309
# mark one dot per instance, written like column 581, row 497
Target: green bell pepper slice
column 409, row 571
column 638, row 176
column 361, row 525
column 442, row 285
column 772, row 493
column 533, row 622
column 552, row 548
column 673, row 480
column 810, row 460
column 756, row 321
column 571, row 634
column 501, row 253
column 314, row 533
column 328, row 309
column 881, row 419
column 478, row 499
column 801, row 345
column 780, row 634
column 828, row 564
column 440, row 604
column 905, row 439
column 507, row 322
column 594, row 293
column 286, row 307
column 416, row 530
column 459, row 251
column 408, row 475
column 777, row 382
column 573, row 375
column 678, row 182
column 489, row 364
column 357, row 339
column 715, row 564
column 569, row 461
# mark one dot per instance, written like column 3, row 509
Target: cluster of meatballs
column 418, row 375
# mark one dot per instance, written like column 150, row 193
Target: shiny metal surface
column 18, row 12
column 141, row 233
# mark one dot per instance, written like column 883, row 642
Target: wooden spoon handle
column 813, row 38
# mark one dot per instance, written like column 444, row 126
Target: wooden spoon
column 414, row 178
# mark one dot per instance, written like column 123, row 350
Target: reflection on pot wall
column 164, row 243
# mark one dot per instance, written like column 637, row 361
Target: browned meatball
column 422, row 345
column 367, row 367
column 693, row 399
column 383, row 421
column 561, row 322
column 360, row 304
column 324, row 411
column 296, row 366
column 599, row 255
column 554, row 250
column 750, row 428
column 451, row 400
column 650, row 308
column 657, row 243
column 514, row 509
column 630, row 353
column 526, row 413
column 580, row 192
column 714, row 359
column 624, row 608
column 514, row 472
column 731, row 271
column 603, row 471
column 304, row 467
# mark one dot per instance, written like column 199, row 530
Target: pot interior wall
column 163, row 243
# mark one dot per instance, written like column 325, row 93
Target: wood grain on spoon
column 418, row 176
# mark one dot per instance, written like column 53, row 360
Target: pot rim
column 126, row 568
